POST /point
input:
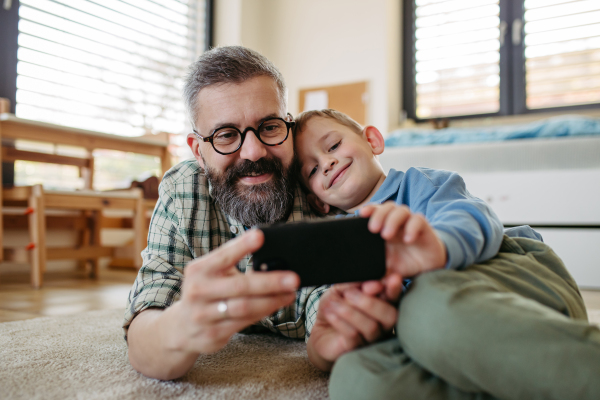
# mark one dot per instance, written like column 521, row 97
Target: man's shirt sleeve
column 158, row 283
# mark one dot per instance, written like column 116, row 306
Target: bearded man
column 192, row 294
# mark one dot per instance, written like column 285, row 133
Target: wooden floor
column 72, row 293
column 63, row 294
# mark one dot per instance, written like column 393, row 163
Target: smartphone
column 323, row 252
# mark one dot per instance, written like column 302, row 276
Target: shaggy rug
column 84, row 356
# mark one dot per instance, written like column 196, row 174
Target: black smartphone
column 323, row 252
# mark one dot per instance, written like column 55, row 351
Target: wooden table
column 12, row 127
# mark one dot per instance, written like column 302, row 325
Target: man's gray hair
column 229, row 64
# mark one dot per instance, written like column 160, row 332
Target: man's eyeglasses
column 229, row 139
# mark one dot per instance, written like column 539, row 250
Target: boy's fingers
column 378, row 216
column 413, row 228
column 366, row 211
column 395, row 222
column 229, row 253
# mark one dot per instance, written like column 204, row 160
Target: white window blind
column 113, row 66
column 457, row 57
column 562, row 52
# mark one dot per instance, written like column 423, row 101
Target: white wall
column 321, row 43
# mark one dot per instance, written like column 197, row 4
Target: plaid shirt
column 187, row 224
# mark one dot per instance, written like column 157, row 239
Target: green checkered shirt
column 187, row 224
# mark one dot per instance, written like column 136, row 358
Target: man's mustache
column 259, row 167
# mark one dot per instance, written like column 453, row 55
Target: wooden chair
column 89, row 206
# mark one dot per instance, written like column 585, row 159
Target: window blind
column 457, row 70
column 115, row 66
column 562, row 52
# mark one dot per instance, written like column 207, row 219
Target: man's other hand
column 351, row 315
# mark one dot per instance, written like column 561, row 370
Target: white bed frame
column 551, row 184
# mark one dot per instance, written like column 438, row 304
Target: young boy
column 490, row 320
column 443, row 225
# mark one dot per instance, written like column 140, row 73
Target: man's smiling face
column 255, row 184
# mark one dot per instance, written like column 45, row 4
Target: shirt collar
column 389, row 187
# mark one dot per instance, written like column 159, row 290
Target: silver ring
column 222, row 308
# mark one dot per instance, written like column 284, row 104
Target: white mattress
column 514, row 155
column 552, row 185
column 536, row 182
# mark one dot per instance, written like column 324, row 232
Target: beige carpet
column 85, row 357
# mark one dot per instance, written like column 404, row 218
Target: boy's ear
column 375, row 139
column 317, row 204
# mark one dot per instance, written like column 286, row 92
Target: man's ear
column 192, row 142
column 317, row 204
column 375, row 139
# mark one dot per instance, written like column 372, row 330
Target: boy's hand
column 412, row 246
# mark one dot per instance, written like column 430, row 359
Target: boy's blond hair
column 303, row 118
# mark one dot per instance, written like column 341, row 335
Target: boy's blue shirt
column 468, row 227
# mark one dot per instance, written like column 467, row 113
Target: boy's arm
column 469, row 228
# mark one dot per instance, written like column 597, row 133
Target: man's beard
column 251, row 205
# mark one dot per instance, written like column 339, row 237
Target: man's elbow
column 164, row 373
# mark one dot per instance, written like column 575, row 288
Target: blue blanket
column 571, row 125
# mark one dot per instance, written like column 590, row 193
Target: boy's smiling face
column 337, row 164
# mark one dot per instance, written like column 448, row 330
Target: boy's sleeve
column 158, row 283
column 469, row 228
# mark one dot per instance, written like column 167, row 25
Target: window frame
column 512, row 68
column 9, row 33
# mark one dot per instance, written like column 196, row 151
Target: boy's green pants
column 514, row 327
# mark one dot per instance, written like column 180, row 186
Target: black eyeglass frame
column 289, row 125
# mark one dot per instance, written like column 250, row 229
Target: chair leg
column 37, row 232
column 85, row 238
column 96, row 227
column 139, row 237
column 1, row 215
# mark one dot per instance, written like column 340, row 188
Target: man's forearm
column 150, row 337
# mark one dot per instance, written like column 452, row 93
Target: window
column 114, row 66
column 500, row 57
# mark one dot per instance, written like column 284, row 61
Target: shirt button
column 234, row 230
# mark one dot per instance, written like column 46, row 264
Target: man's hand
column 165, row 344
column 412, row 246
column 350, row 316
column 214, row 279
